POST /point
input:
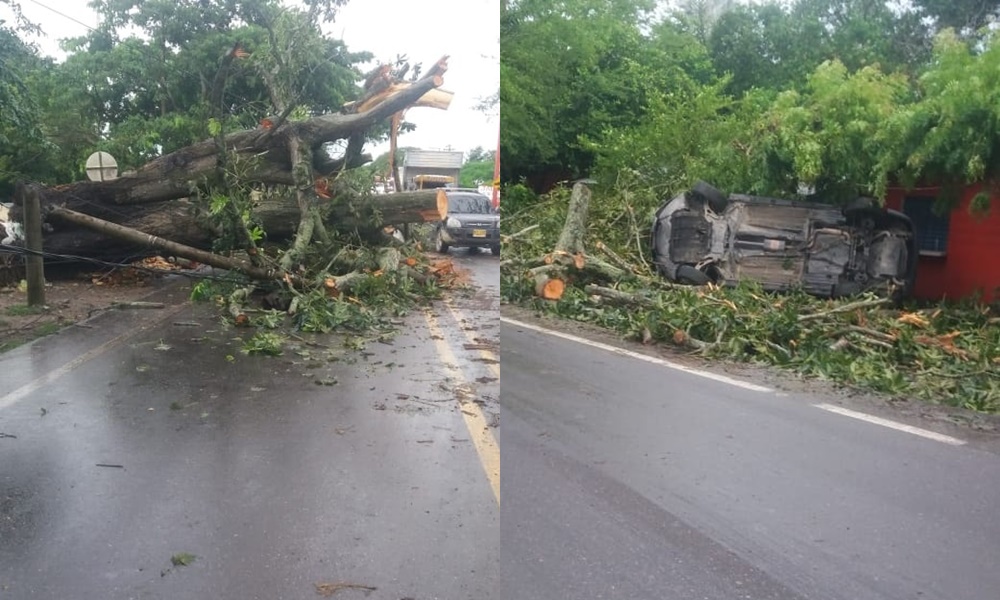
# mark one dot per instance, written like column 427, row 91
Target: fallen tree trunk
column 185, row 222
column 266, row 148
column 152, row 241
column 155, row 200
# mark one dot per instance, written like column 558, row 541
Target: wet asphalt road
column 629, row 480
column 275, row 473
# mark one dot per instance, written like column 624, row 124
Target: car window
column 469, row 203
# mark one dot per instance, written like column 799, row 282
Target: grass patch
column 46, row 329
column 23, row 310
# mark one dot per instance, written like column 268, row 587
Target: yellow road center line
column 475, row 421
column 487, row 354
column 32, row 386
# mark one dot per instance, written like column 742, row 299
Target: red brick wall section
column 972, row 260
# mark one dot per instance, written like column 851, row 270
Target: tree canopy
column 153, row 77
column 845, row 97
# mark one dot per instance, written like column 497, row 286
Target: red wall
column 972, row 260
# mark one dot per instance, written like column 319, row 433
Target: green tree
column 25, row 151
column 961, row 15
column 568, row 69
column 476, row 173
column 777, row 46
column 951, row 134
column 763, row 46
column 698, row 17
column 479, row 154
column 860, row 33
column 147, row 80
column 832, row 135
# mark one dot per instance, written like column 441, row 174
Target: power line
column 61, row 14
column 72, row 259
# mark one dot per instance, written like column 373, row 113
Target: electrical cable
column 64, row 15
column 70, row 258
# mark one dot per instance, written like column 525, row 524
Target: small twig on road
column 307, row 342
column 479, row 346
column 7, row 435
column 110, row 466
column 329, row 589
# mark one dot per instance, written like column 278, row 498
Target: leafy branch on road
column 946, row 353
column 361, row 291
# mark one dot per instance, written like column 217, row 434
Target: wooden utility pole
column 496, row 175
column 34, row 263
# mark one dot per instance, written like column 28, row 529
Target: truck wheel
column 495, row 250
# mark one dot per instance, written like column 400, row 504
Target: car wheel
column 866, row 218
column 439, row 243
column 716, row 200
column 495, row 250
column 861, row 203
column 689, row 275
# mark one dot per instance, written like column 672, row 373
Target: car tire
column 716, row 200
column 689, row 275
column 863, row 217
column 861, row 203
column 439, row 244
column 495, row 250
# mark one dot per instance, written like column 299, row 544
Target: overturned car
column 703, row 236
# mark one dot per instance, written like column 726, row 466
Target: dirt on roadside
column 72, row 294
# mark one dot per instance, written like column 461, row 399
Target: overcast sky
column 468, row 31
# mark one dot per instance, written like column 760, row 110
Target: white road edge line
column 638, row 356
column 931, row 435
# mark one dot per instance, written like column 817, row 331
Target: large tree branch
column 176, row 174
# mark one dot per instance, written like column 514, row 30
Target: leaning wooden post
column 34, row 263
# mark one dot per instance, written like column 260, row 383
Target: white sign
column 101, row 166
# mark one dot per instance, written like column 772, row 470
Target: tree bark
column 184, row 222
column 575, row 228
column 174, row 175
column 153, row 241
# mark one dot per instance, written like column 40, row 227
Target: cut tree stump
column 570, row 256
column 549, row 288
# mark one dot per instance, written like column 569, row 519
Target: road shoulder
column 982, row 429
